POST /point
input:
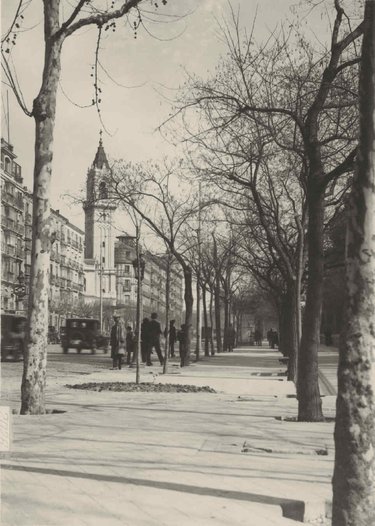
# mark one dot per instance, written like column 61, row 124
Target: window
column 126, row 269
column 103, row 192
column 7, row 164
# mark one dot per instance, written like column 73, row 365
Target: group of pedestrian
column 273, row 338
column 125, row 345
column 122, row 344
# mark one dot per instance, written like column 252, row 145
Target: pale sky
column 152, row 69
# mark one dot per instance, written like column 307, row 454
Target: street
column 141, row 459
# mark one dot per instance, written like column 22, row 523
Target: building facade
column 12, row 230
column 153, row 284
column 66, row 258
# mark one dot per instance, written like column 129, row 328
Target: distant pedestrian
column 182, row 337
column 117, row 343
column 145, row 342
column 275, row 339
column 130, row 345
column 172, row 337
column 258, row 337
column 231, row 337
column 270, row 336
column 154, row 331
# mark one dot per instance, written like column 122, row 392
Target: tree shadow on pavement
column 292, row 509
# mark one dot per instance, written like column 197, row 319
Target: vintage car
column 83, row 333
column 12, row 337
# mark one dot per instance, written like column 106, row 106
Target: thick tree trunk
column 353, row 479
column 308, row 394
column 44, row 110
column 188, row 297
column 205, row 317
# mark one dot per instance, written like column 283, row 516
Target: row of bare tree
column 277, row 133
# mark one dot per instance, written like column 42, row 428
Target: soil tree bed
column 144, row 387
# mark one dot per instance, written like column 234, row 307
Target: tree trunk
column 44, row 110
column 219, row 345
column 167, row 309
column 139, row 309
column 205, row 317
column 308, row 394
column 291, row 331
column 198, row 321
column 212, row 323
column 188, row 297
column 226, row 320
column 282, row 327
column 353, row 478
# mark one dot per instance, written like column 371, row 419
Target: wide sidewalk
column 162, row 459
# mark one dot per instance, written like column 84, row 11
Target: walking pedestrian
column 145, row 342
column 270, row 337
column 117, row 343
column 231, row 338
column 172, row 337
column 155, row 333
column 130, row 345
column 181, row 337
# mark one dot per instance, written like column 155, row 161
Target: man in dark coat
column 172, row 337
column 181, row 337
column 231, row 335
column 117, row 340
column 145, row 342
column 154, row 331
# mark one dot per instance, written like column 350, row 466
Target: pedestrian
column 258, row 337
column 231, row 337
column 117, row 343
column 130, row 345
column 270, row 337
column 181, row 337
column 172, row 337
column 275, row 339
column 145, row 342
column 154, row 330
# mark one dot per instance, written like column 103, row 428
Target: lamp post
column 19, row 288
column 139, row 271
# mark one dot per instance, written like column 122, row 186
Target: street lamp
column 19, row 288
column 141, row 267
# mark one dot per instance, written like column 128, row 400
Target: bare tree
column 57, row 30
column 353, row 479
column 303, row 101
column 148, row 190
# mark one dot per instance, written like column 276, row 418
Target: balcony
column 10, row 224
column 14, row 200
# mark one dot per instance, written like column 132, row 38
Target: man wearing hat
column 117, row 341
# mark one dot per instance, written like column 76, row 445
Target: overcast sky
column 151, row 68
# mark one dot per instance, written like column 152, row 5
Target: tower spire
column 100, row 160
